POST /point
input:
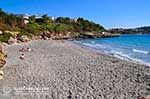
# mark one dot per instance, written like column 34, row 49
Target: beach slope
column 63, row 70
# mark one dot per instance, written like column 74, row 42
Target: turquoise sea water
column 132, row 47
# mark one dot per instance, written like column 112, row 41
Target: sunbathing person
column 29, row 49
column 22, row 57
column 22, row 50
column 25, row 50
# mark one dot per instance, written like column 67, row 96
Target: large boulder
column 1, row 32
column 36, row 37
column 14, row 33
column 146, row 97
column 107, row 34
column 2, row 62
column 24, row 38
column 46, row 35
column 2, row 58
column 12, row 40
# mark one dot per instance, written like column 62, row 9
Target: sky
column 109, row 13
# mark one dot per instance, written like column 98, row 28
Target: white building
column 25, row 17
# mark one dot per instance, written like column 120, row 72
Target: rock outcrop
column 12, row 40
column 1, row 32
column 2, row 62
column 24, row 38
column 107, row 34
column 147, row 97
column 12, row 33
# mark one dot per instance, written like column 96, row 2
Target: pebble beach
column 64, row 70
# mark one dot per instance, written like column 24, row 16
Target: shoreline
column 86, row 48
column 120, row 56
column 113, row 55
column 69, row 70
column 101, row 52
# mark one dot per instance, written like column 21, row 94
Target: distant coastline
column 139, row 30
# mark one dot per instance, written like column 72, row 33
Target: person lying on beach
column 25, row 50
column 22, row 50
column 29, row 49
column 22, row 57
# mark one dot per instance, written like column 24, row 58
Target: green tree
column 12, row 20
column 65, row 20
column 45, row 18
column 32, row 28
column 32, row 19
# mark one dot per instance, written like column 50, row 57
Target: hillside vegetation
column 14, row 26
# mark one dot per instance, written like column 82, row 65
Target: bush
column 33, row 28
column 48, row 27
column 27, row 34
column 5, row 37
column 63, row 28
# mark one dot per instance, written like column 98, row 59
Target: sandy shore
column 63, row 70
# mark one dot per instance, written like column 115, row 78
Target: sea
column 133, row 47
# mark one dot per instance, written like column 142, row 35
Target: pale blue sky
column 109, row 13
